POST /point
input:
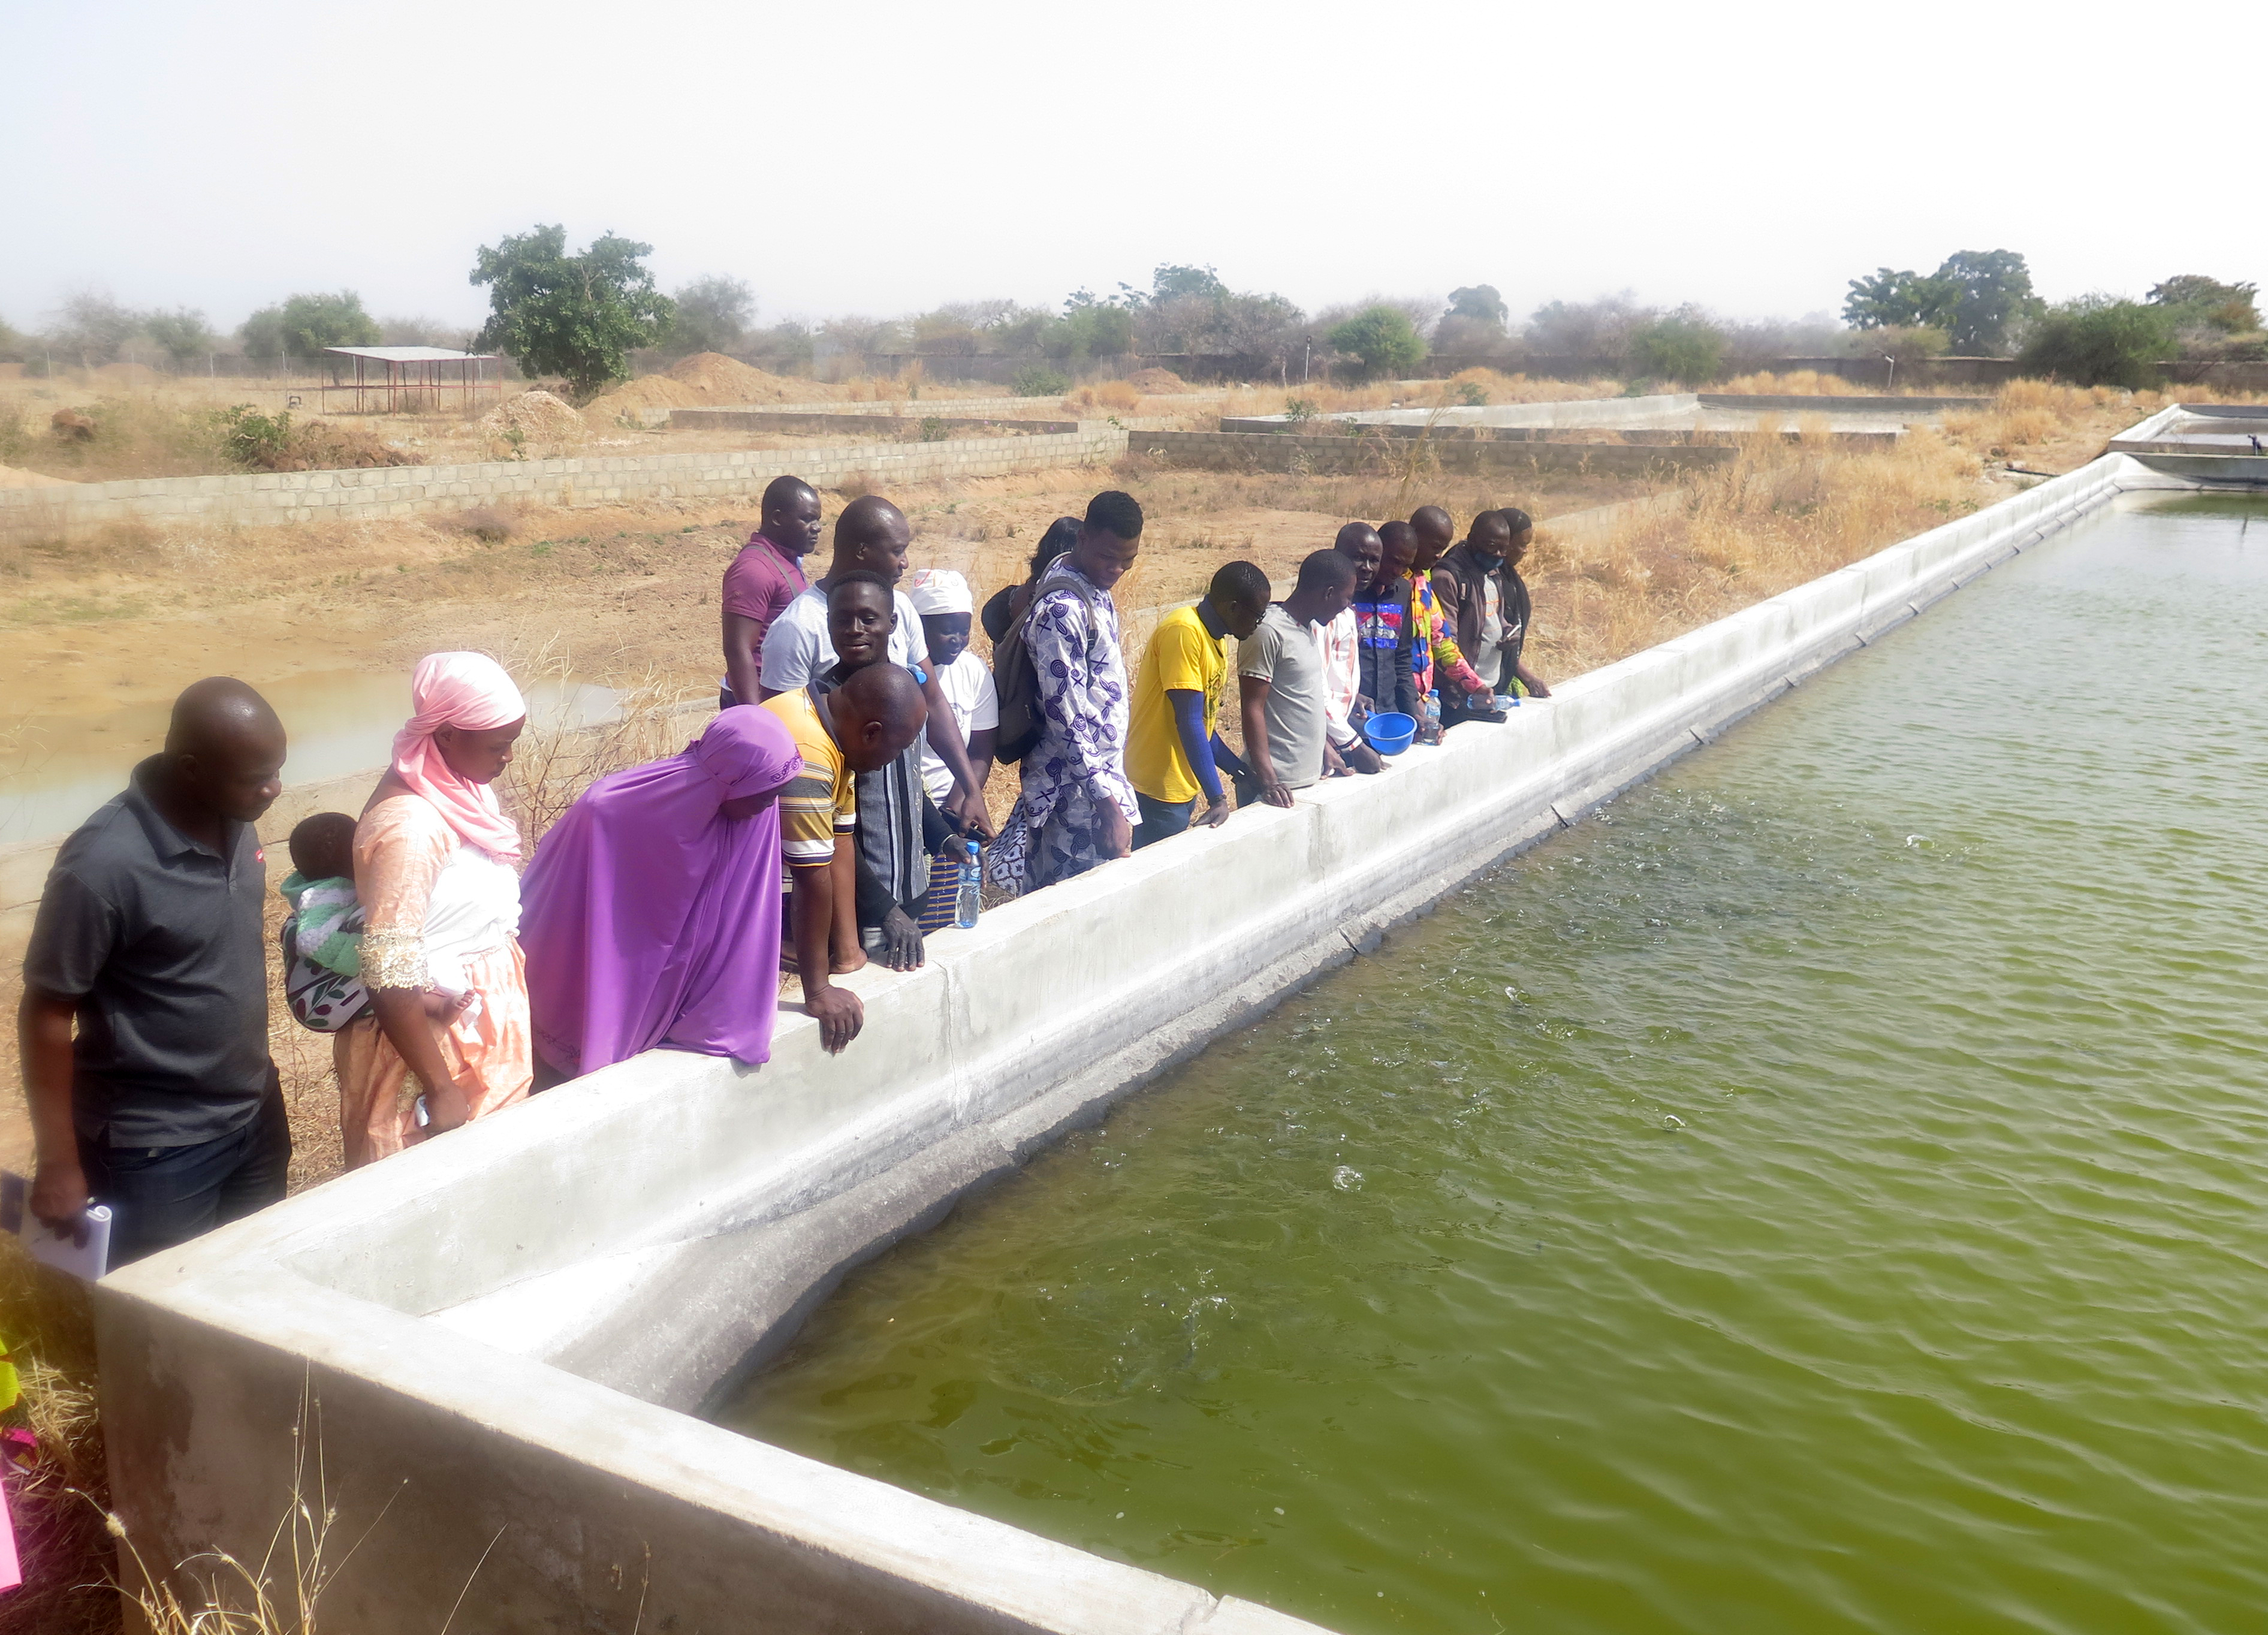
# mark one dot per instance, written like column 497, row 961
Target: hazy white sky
column 881, row 157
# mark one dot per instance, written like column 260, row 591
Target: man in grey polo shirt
column 1281, row 684
column 166, row 1107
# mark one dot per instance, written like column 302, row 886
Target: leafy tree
column 1479, row 304
column 1383, row 337
column 1991, row 293
column 183, row 334
column 574, row 316
column 1894, row 299
column 1169, row 283
column 713, row 315
column 2197, row 301
column 94, row 326
column 310, row 322
column 2099, row 340
column 12, row 343
column 1681, row 346
column 1259, row 330
column 261, row 335
column 1039, row 380
column 1600, row 328
column 1015, row 329
column 1908, row 343
column 1092, row 329
column 1976, row 297
column 787, row 348
column 945, row 333
column 420, row 331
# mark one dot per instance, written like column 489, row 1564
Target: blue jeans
column 1161, row 820
column 161, row 1196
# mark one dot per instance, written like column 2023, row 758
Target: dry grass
column 1796, row 383
column 553, row 764
column 59, row 1497
column 1777, row 515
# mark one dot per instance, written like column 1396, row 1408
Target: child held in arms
column 323, row 935
column 942, row 599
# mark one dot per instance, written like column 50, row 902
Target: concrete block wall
column 913, row 423
column 412, row 490
column 498, row 1329
column 1379, row 449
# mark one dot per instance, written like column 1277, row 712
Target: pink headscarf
column 471, row 691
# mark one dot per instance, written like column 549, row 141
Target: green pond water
column 1827, row 1190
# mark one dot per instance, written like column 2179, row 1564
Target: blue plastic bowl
column 1390, row 731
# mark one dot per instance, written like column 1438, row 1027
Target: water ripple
column 1732, row 1217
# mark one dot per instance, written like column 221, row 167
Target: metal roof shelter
column 410, row 370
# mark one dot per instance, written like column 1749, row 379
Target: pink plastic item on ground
column 12, row 1570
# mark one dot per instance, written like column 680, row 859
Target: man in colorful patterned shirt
column 1076, row 808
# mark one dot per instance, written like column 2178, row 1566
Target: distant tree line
column 584, row 316
column 91, row 329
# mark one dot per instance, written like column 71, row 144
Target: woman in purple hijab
column 650, row 915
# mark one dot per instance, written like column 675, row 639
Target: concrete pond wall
column 499, row 1340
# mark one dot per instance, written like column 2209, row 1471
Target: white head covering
column 938, row 590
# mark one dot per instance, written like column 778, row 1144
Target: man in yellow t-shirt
column 861, row 726
column 1173, row 754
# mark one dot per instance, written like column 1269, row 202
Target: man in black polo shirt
column 166, row 1106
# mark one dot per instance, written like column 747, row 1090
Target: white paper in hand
column 88, row 1260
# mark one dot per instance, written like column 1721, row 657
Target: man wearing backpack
column 1062, row 680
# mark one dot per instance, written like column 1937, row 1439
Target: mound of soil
column 538, row 416
column 706, row 380
column 721, row 379
column 1156, row 382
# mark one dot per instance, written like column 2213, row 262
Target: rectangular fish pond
column 1825, row 1190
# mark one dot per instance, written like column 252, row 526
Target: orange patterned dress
column 442, row 916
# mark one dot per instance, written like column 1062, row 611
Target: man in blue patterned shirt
column 1076, row 808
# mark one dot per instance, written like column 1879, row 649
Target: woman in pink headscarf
column 654, row 906
column 436, row 868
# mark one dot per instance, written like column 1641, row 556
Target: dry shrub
column 553, row 764
column 59, row 1500
column 856, row 485
column 486, row 523
column 1118, row 397
column 265, row 443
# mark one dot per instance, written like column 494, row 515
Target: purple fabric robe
column 649, row 917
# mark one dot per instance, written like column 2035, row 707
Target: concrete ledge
column 501, row 1325
column 1830, row 405
column 1388, row 448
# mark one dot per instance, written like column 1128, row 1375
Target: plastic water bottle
column 1433, row 708
column 970, row 898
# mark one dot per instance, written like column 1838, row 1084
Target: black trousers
column 161, row 1196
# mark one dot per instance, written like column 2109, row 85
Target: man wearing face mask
column 1480, row 590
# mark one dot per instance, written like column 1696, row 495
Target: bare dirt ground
column 624, row 596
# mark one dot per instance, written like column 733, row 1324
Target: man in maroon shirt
column 764, row 578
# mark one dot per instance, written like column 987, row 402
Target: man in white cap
column 941, row 598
